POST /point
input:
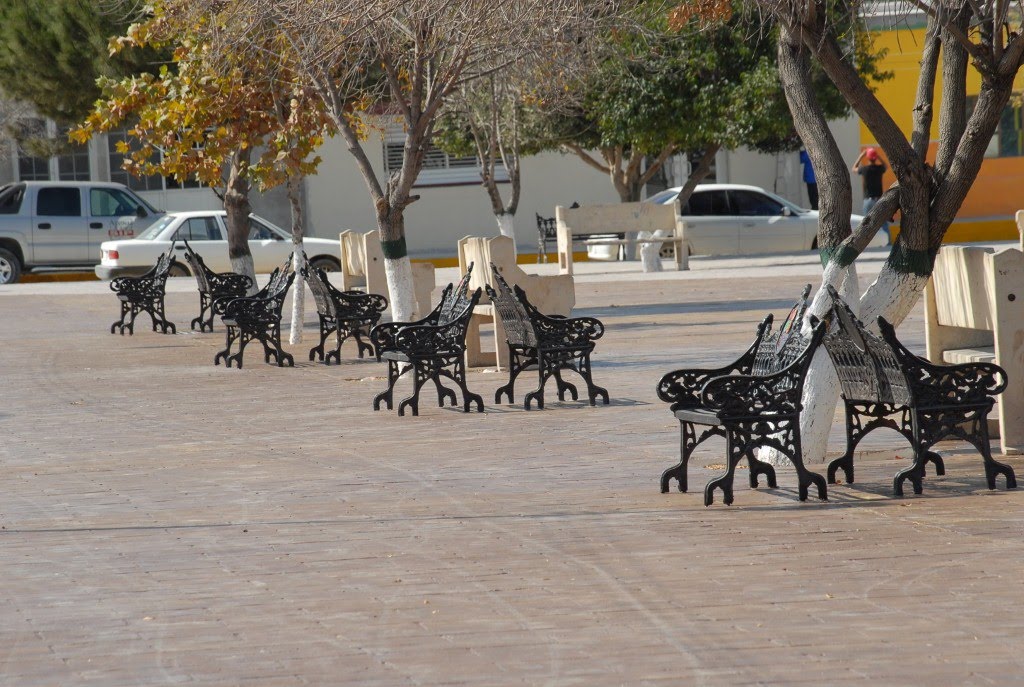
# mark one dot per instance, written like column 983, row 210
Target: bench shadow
column 555, row 405
column 688, row 307
column 852, row 495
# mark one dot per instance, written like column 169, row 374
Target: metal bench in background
column 144, row 293
column 886, row 385
column 213, row 285
column 257, row 317
column 431, row 348
column 346, row 314
column 551, row 344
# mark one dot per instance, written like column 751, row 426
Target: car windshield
column 664, row 197
column 156, row 228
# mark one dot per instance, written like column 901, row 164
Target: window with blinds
column 439, row 168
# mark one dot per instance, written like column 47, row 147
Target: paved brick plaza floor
column 166, row 521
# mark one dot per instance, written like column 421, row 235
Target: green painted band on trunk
column 905, row 260
column 393, row 250
column 843, row 255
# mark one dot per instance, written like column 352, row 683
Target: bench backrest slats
column 519, row 330
column 321, row 294
column 779, row 348
column 868, row 368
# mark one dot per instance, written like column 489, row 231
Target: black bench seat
column 213, row 286
column 770, row 352
column 346, row 314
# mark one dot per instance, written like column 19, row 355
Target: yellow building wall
column 998, row 192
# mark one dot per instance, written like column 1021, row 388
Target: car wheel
column 10, row 267
column 178, row 270
column 326, row 264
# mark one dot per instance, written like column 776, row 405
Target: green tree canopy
column 685, row 84
column 53, row 51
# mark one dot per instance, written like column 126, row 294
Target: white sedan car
column 206, row 233
column 734, row 219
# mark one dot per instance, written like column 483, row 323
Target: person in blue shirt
column 809, row 179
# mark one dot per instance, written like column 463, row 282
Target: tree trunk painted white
column 507, row 227
column 400, row 288
column 821, row 388
column 244, row 265
column 298, row 296
column 893, row 295
column 294, row 186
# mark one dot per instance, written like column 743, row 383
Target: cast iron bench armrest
column 428, row 339
column 961, row 383
column 749, row 394
column 682, row 387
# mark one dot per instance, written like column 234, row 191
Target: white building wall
column 338, row 199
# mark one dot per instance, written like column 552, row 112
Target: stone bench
column 974, row 313
column 628, row 218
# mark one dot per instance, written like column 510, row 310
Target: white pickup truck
column 63, row 223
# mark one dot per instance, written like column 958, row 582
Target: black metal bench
column 754, row 410
column 144, row 293
column 432, row 347
column 886, row 385
column 771, row 351
column 551, row 344
column 257, row 317
column 346, row 314
column 212, row 286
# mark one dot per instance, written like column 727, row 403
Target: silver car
column 735, row 219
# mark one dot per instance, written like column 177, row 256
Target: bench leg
column 231, row 333
column 805, row 477
column 564, row 386
column 468, row 397
column 687, row 442
column 759, row 467
column 420, row 377
column 735, row 450
column 592, row 389
column 543, row 373
column 993, row 468
column 202, row 319
column 318, row 350
column 388, row 394
column 517, row 362
column 361, row 345
column 120, row 321
column 444, row 392
column 243, row 339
